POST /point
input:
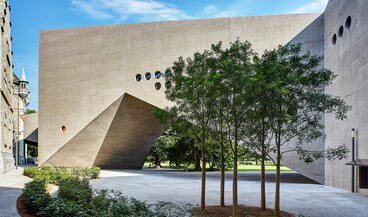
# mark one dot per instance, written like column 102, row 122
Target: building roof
column 23, row 77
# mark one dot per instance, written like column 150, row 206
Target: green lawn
column 241, row 167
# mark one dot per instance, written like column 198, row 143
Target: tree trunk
column 235, row 180
column 263, row 179
column 197, row 162
column 203, row 187
column 222, row 178
column 277, row 192
column 157, row 161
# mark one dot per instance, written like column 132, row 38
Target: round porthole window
column 341, row 31
column 348, row 22
column 334, row 39
column 157, row 85
column 138, row 77
column 157, row 74
column 148, row 75
column 168, row 84
column 168, row 73
column 63, row 129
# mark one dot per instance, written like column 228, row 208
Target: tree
column 235, row 70
column 299, row 102
column 192, row 93
column 30, row 111
column 159, row 150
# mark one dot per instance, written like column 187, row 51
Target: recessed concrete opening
column 168, row 84
column 341, row 31
column 138, row 77
column 168, row 73
column 148, row 75
column 157, row 85
column 363, row 177
column 348, row 22
column 63, row 129
column 334, row 39
column 157, row 74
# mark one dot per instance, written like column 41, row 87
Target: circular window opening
column 148, row 76
column 138, row 77
column 157, row 74
column 168, row 73
column 63, row 129
column 341, row 31
column 168, row 85
column 157, row 85
column 348, row 22
column 334, row 39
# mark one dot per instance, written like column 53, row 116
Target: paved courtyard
column 299, row 195
column 11, row 185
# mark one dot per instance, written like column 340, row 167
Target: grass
column 241, row 167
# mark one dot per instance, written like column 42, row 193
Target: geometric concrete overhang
column 120, row 137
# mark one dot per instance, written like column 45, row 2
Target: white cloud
column 237, row 8
column 210, row 9
column 143, row 10
column 313, row 7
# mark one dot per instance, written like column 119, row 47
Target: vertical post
column 353, row 159
column 17, row 137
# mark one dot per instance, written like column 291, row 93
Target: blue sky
column 29, row 17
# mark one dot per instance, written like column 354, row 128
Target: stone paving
column 11, row 185
column 299, row 195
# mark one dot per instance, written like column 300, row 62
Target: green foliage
column 76, row 198
column 75, row 190
column 35, row 196
column 55, row 174
column 30, row 111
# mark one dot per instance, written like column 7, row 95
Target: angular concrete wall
column 83, row 71
column 348, row 57
column 312, row 40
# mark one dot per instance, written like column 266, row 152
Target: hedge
column 76, row 198
column 53, row 175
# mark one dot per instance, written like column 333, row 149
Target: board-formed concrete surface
column 299, row 195
column 84, row 71
column 348, row 58
column 11, row 185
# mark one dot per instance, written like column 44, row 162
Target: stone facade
column 6, row 98
column 10, row 97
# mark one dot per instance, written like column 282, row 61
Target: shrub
column 55, row 174
column 35, row 196
column 76, row 198
column 62, row 208
column 75, row 190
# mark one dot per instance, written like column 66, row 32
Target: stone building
column 6, row 84
column 98, row 85
column 10, row 134
column 20, row 103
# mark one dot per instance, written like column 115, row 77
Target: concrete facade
column 88, row 86
column 84, row 72
column 348, row 58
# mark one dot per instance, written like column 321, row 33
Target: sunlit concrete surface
column 299, row 195
column 11, row 185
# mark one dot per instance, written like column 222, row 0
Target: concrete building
column 98, row 85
